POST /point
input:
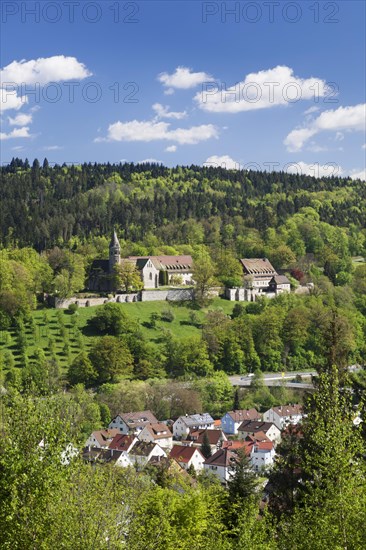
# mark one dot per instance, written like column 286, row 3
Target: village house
column 123, row 443
column 284, row 415
column 259, row 279
column 184, row 424
column 157, row 433
column 221, row 464
column 231, row 420
column 101, row 439
column 154, row 271
column 187, row 457
column 142, row 452
column 132, row 422
column 261, row 453
column 215, row 438
column 253, row 427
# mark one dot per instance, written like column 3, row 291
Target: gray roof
column 114, row 241
column 258, row 266
column 197, row 419
column 280, row 280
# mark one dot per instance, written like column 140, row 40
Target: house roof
column 122, row 442
column 184, row 454
column 169, row 263
column 159, row 430
column 288, row 410
column 255, row 426
column 257, row 436
column 258, row 266
column 140, row 418
column 280, row 280
column 223, row 457
column 217, row 424
column 244, row 414
column 197, row 419
column 214, row 436
column 142, row 448
column 105, row 436
column 233, row 445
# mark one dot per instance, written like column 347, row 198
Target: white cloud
column 163, row 112
column 9, row 99
column 261, row 90
column 296, row 139
column 149, row 161
column 52, row 148
column 339, row 136
column 358, row 174
column 44, row 70
column 183, row 78
column 171, row 149
column 363, row 146
column 18, row 148
column 223, row 161
column 311, row 110
column 146, row 131
column 315, row 169
column 20, row 120
column 344, row 118
column 315, row 148
column 169, row 91
column 16, row 133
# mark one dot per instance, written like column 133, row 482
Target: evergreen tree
column 206, row 447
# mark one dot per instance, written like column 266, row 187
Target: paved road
column 275, row 379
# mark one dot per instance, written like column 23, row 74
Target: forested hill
column 42, row 205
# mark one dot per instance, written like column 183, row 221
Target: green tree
column 81, row 371
column 111, row 359
column 127, row 277
column 206, row 447
column 113, row 320
column 204, row 272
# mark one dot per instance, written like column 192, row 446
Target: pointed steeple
column 114, row 240
column 114, row 252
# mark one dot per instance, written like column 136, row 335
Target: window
column 150, row 276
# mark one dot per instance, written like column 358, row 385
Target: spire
column 114, row 241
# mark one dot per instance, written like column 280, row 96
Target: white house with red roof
column 284, row 415
column 157, row 433
column 101, row 438
column 187, row 456
column 253, row 427
column 132, row 422
column 221, row 464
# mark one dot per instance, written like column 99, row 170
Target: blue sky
column 262, row 84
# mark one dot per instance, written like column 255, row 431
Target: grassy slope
column 141, row 311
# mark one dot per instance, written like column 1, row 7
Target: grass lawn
column 63, row 335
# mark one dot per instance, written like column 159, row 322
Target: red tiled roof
column 159, row 430
column 233, row 445
column 104, row 436
column 140, row 418
column 182, row 453
column 121, row 442
column 214, row 436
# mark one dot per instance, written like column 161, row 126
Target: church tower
column 114, row 252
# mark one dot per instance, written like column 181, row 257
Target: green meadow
column 62, row 334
